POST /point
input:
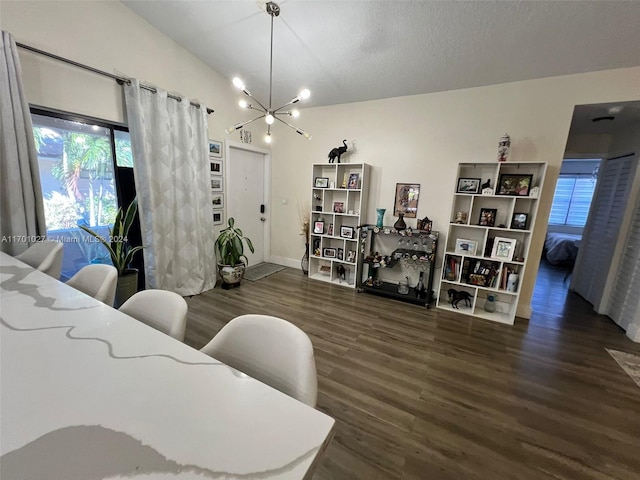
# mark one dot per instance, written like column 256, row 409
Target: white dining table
column 87, row 392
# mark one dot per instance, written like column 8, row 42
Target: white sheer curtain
column 171, row 167
column 21, row 206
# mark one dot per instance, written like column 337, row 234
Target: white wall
column 421, row 138
column 417, row 139
column 108, row 36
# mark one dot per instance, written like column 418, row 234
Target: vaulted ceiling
column 349, row 51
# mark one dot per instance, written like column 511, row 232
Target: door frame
column 228, row 145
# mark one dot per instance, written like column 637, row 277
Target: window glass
column 572, row 200
column 78, row 188
column 124, row 156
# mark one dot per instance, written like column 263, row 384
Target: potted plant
column 121, row 252
column 230, row 252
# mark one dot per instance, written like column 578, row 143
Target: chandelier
column 269, row 113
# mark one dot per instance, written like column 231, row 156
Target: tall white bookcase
column 338, row 201
column 489, row 237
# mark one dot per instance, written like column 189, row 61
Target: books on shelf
column 452, row 268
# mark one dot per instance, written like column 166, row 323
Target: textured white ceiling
column 348, row 51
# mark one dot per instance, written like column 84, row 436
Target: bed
column 561, row 248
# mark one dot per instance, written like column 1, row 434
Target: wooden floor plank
column 428, row 394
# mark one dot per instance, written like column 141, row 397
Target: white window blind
column 572, row 200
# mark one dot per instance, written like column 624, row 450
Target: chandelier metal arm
column 248, row 94
column 291, row 102
column 298, row 130
column 240, row 125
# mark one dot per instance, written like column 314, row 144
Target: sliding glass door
column 76, row 160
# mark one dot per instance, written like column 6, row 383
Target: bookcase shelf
column 489, row 238
column 339, row 206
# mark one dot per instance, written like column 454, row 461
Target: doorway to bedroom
column 598, row 136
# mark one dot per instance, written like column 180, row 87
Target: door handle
column 262, row 208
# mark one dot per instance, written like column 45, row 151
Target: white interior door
column 247, row 185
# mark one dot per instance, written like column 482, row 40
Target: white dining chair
column 45, row 256
column 98, row 281
column 161, row 309
column 271, row 350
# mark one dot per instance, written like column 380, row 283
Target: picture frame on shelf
column 351, row 256
column 340, row 253
column 217, row 200
column 468, row 185
column 503, row 248
column 354, row 181
column 346, row 232
column 321, row 182
column 519, row 221
column 216, row 184
column 330, row 230
column 514, row 184
column 318, row 227
column 487, row 217
column 217, row 218
column 215, row 148
column 406, row 199
column 338, row 207
column 329, row 252
column 466, row 247
column 216, row 167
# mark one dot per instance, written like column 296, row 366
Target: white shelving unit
column 468, row 265
column 340, row 206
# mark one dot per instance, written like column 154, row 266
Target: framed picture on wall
column 216, row 167
column 215, row 148
column 216, row 184
column 406, row 199
column 217, row 218
column 217, row 199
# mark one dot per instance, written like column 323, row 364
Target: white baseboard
column 286, row 262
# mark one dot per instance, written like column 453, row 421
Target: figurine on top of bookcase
column 335, row 153
column 503, row 147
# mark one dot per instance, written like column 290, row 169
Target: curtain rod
column 120, row 80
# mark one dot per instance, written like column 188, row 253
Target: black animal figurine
column 336, row 152
column 342, row 273
column 456, row 296
column 486, row 185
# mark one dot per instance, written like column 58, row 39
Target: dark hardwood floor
column 427, row 394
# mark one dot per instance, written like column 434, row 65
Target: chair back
column 98, row 281
column 163, row 310
column 271, row 350
column 45, row 256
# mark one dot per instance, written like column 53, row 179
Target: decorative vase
column 380, row 219
column 400, row 225
column 504, row 146
column 304, row 264
column 231, row 275
column 512, row 282
column 490, row 303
